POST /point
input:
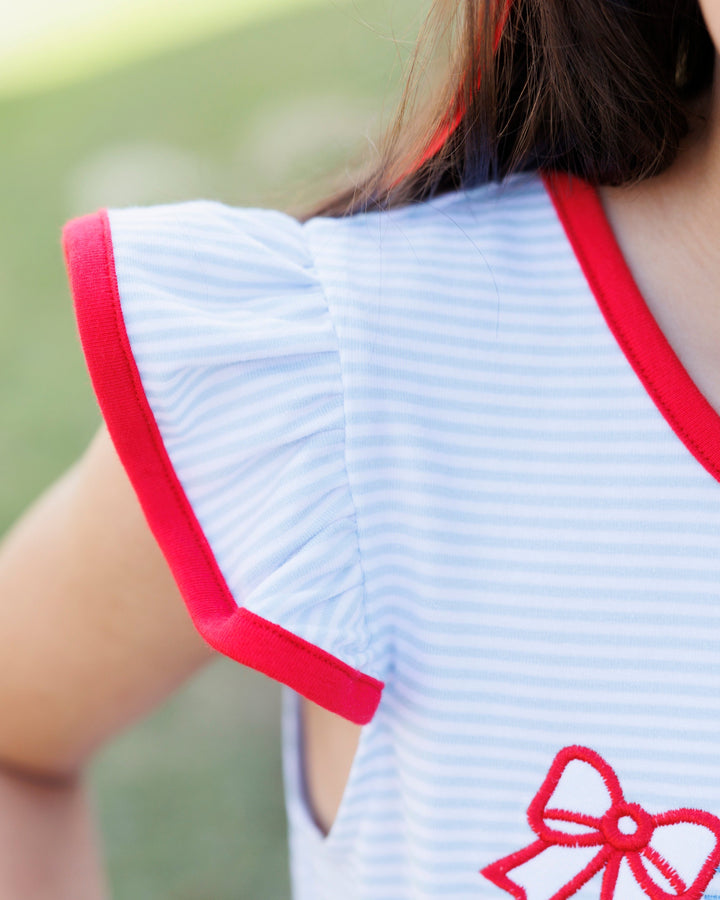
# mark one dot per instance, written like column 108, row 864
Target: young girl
column 443, row 458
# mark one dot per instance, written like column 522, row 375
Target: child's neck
column 669, row 230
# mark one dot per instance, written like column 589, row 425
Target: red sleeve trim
column 646, row 348
column 233, row 631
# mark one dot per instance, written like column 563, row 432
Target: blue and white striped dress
column 438, row 470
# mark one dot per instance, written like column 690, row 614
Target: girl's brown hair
column 597, row 88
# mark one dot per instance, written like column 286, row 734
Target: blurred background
column 123, row 102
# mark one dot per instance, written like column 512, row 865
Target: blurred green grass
column 190, row 800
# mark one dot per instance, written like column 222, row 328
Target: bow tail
column 497, row 872
column 610, row 876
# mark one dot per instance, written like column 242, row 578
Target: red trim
column 234, row 631
column 657, row 366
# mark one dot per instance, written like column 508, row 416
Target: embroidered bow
column 623, row 833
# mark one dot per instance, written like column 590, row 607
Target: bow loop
column 578, row 790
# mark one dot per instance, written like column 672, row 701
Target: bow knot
column 640, row 832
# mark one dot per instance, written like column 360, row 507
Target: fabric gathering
column 477, row 514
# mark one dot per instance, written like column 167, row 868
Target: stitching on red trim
column 120, row 327
column 308, row 648
column 614, row 844
column 299, row 643
column 621, row 334
column 626, row 343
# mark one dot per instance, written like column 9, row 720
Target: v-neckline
column 628, row 317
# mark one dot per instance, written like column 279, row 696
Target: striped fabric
column 412, row 439
column 238, row 357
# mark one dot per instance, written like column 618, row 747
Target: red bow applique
column 623, row 835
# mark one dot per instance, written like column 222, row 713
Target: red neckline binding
column 627, row 314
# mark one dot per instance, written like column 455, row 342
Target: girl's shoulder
column 516, row 195
column 495, row 225
column 209, row 244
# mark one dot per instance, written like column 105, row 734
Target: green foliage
column 190, row 800
column 258, row 117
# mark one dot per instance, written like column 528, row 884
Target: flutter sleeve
column 215, row 362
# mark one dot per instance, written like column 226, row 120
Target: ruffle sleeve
column 215, row 362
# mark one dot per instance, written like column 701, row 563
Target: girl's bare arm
column 93, row 634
